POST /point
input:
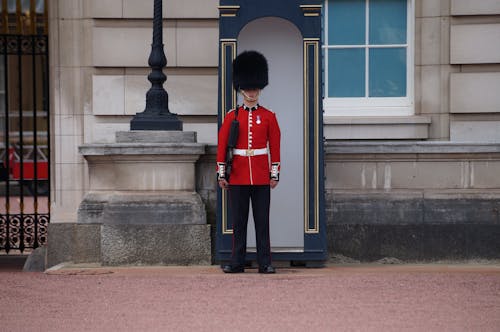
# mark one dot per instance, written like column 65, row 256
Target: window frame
column 372, row 106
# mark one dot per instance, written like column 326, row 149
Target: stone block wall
column 475, row 54
column 120, row 47
column 414, row 201
column 98, row 65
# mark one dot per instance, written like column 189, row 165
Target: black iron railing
column 24, row 152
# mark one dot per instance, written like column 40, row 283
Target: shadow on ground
column 12, row 263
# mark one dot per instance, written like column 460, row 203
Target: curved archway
column 281, row 43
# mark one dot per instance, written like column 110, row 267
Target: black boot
column 233, row 269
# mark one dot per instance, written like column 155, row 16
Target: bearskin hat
column 250, row 71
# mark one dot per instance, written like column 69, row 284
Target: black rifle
column 231, row 143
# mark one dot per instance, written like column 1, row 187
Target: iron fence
column 24, row 150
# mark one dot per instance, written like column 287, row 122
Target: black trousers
column 239, row 199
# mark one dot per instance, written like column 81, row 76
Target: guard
column 248, row 161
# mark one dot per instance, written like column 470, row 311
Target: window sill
column 394, row 127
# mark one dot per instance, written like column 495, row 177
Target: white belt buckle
column 250, row 152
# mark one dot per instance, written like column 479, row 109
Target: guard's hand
column 273, row 184
column 223, row 184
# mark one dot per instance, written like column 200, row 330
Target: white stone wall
column 70, row 72
column 98, row 52
column 475, row 52
column 432, row 67
column 120, row 47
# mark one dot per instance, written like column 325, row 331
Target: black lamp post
column 156, row 116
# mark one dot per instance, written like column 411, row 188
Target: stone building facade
column 421, row 184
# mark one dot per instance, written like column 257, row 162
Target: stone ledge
column 362, row 147
column 167, row 207
column 155, row 136
column 401, row 194
column 112, row 149
column 469, row 207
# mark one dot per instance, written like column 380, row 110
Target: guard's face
column 252, row 93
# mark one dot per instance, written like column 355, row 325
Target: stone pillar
column 143, row 202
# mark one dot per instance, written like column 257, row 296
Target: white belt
column 249, row 152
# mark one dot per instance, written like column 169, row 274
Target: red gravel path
column 337, row 298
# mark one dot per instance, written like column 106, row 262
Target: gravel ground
column 352, row 297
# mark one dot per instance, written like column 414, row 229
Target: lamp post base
column 142, row 121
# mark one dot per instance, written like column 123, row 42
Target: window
column 368, row 55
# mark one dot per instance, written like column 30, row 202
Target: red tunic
column 258, row 129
